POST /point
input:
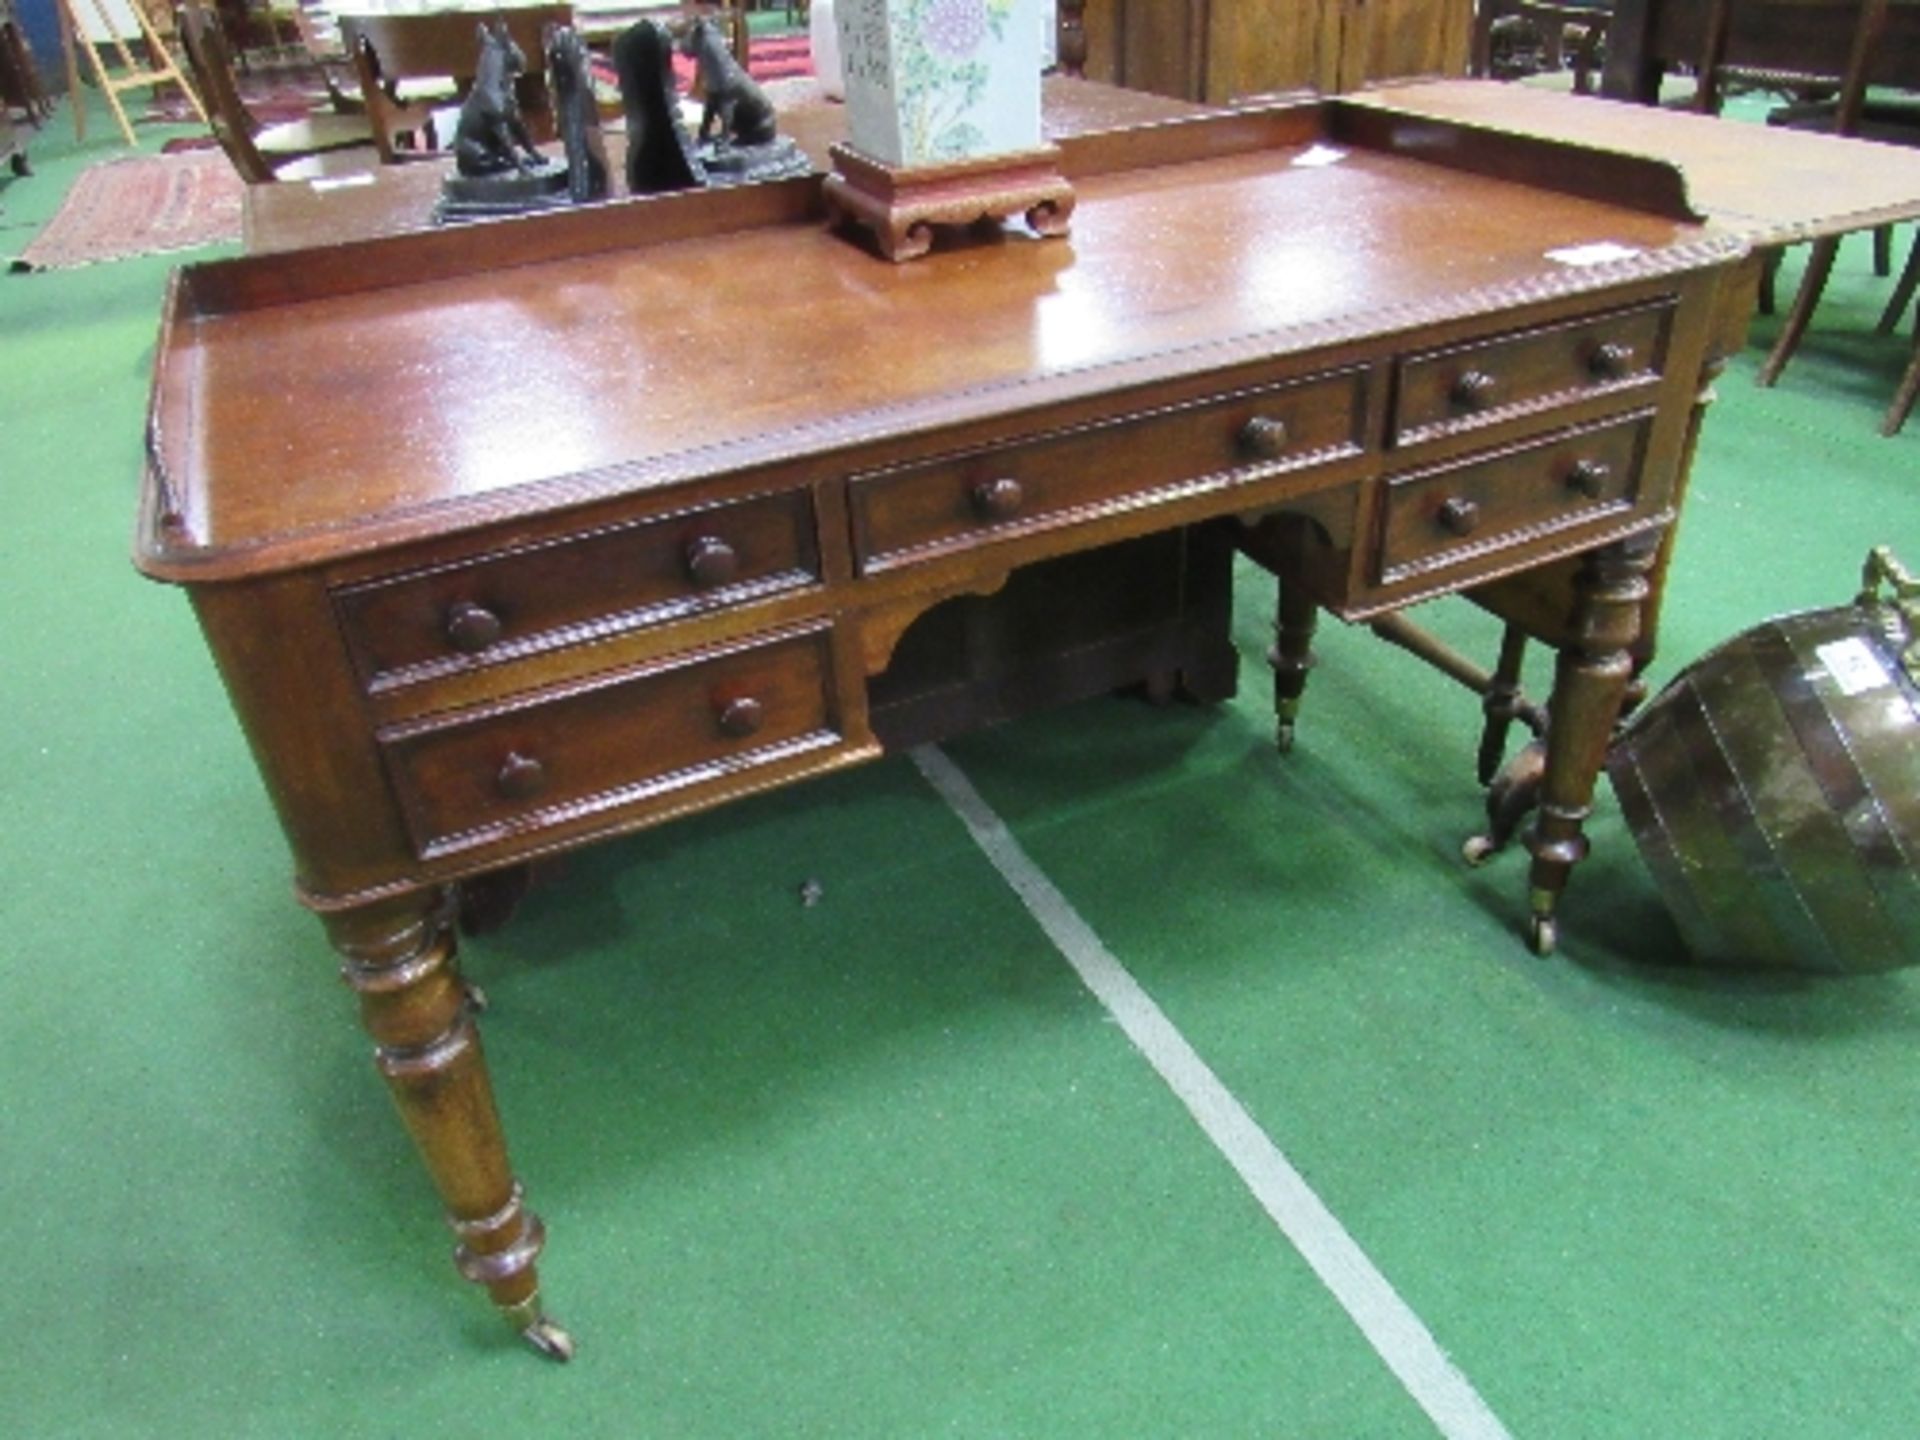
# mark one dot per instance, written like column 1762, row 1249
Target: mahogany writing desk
column 509, row 540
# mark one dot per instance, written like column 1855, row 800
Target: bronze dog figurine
column 740, row 106
column 491, row 138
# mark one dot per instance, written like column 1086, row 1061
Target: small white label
column 1315, row 156
column 1853, row 665
column 1601, row 252
column 340, row 182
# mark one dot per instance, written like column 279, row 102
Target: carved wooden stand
column 902, row 206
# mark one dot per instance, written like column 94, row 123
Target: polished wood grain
column 507, row 604
column 697, row 475
column 1440, row 392
column 1063, row 322
column 1789, row 186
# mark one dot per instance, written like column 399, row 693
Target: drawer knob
column 1589, row 477
column 521, row 777
column 1264, row 437
column 1610, row 361
column 712, row 562
column 471, row 628
column 1459, row 516
column 1474, row 390
column 998, row 499
column 741, row 716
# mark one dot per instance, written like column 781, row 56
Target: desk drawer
column 962, row 500
column 1439, row 392
column 1442, row 517
column 557, row 755
column 520, row 601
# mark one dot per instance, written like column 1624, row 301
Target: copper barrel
column 1774, row 787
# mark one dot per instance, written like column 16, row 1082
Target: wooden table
column 1647, row 37
column 474, row 605
column 1772, row 187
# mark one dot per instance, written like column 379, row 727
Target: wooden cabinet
column 1217, row 50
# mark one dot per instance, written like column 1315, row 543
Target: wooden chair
column 401, row 59
column 1908, row 390
column 259, row 152
column 319, row 35
column 1838, row 105
column 1568, row 29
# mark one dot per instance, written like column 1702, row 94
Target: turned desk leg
column 1589, row 686
column 399, row 959
column 1291, row 658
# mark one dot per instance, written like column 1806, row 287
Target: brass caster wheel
column 1283, row 737
column 1476, row 850
column 1543, row 934
column 477, row 1000
column 549, row 1339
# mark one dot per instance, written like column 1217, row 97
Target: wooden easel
column 76, row 39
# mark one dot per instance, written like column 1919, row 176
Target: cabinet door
column 1266, row 48
column 1153, row 45
column 1221, row 50
column 1387, row 39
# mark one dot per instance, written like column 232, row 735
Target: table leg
column 1590, row 683
column 1291, row 658
column 399, row 959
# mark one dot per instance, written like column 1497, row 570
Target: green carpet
column 880, row 1166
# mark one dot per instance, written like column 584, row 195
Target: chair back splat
column 390, row 51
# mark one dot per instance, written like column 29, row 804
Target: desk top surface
column 599, row 355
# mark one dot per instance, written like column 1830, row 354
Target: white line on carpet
column 1398, row 1335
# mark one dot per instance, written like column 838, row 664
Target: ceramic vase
column 931, row 82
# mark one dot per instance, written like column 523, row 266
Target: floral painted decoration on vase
column 934, row 81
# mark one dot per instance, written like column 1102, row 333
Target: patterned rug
column 774, row 57
column 271, row 94
column 769, row 57
column 140, row 205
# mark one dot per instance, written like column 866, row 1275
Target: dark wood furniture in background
column 1565, row 29
column 1832, row 45
column 390, row 50
column 20, row 89
column 258, row 152
column 20, row 85
column 549, row 610
column 13, row 147
column 1840, row 110
column 1646, row 38
column 1220, row 50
